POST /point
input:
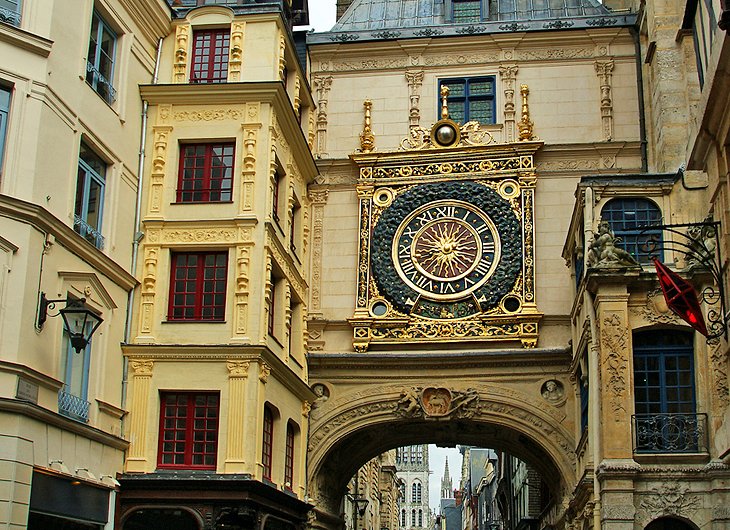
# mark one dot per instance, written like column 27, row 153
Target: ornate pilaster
column 525, row 125
column 415, row 80
column 240, row 317
column 148, row 290
column 141, row 379
column 282, row 57
column 322, row 85
column 287, row 316
column 235, row 57
column 604, row 70
column 160, row 135
column 181, row 53
column 367, row 138
column 318, row 199
column 508, row 73
column 248, row 171
column 615, row 366
column 237, row 375
column 297, row 98
column 268, row 285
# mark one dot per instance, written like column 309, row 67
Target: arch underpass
column 374, row 402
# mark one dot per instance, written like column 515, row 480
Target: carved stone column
column 236, row 52
column 318, row 198
column 616, row 371
column 141, row 379
column 508, row 73
column 268, row 284
column 235, row 456
column 287, row 317
column 248, row 171
column 415, row 79
column 240, row 316
column 282, row 56
column 604, row 70
column 147, row 297
column 160, row 135
column 181, row 53
column 322, row 84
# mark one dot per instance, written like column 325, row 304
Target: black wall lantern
column 79, row 321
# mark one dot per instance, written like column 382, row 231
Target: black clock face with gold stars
column 446, row 250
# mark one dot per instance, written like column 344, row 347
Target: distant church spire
column 447, row 490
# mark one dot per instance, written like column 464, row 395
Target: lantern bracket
column 699, row 245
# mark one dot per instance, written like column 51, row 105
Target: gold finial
column 444, row 103
column 367, row 139
column 525, row 125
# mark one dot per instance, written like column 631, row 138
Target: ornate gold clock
column 446, row 249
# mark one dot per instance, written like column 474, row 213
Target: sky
column 437, row 459
column 322, row 18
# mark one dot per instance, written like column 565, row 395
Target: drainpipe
column 640, row 88
column 138, row 234
column 593, row 357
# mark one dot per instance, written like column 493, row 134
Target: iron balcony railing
column 670, row 433
column 88, row 232
column 10, row 16
column 72, row 406
column 101, row 84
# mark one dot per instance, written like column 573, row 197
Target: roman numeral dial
column 446, row 249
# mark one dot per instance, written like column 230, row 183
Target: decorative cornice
column 268, row 92
column 25, row 40
column 31, row 374
column 30, row 410
column 44, row 221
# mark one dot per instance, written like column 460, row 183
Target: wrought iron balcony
column 10, row 16
column 88, row 232
column 670, row 433
column 72, row 406
column 100, row 84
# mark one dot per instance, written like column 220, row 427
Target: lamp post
column 79, row 321
column 359, row 504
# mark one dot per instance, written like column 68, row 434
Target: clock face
column 445, row 250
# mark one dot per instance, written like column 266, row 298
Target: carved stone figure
column 603, row 252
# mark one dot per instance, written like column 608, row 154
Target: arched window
column 625, row 216
column 403, row 518
column 664, row 392
column 416, row 492
column 268, row 441
column 420, row 517
column 669, row 523
column 413, row 517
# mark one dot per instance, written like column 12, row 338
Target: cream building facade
column 70, row 122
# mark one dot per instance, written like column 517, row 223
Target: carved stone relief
column 604, row 70
column 236, row 51
column 322, row 85
column 508, row 73
column 415, row 79
column 614, row 355
column 669, row 498
column 181, row 53
column 149, row 279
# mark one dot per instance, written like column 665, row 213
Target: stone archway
column 348, row 431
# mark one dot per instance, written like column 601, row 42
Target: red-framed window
column 198, row 286
column 289, row 457
column 268, row 439
column 206, row 172
column 188, row 430
column 210, row 56
column 271, row 323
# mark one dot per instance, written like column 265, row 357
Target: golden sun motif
column 446, row 249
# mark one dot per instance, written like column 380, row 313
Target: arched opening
column 670, row 523
column 161, row 519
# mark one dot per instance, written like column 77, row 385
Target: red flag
column 681, row 297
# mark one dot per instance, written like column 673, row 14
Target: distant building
column 412, row 465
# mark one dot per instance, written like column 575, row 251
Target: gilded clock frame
column 509, row 170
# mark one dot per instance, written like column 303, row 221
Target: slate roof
column 398, row 14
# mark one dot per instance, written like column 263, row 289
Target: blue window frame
column 10, row 12
column 626, row 216
column 4, row 114
column 664, row 392
column 100, row 59
column 583, row 388
column 90, row 196
column 470, row 99
column 73, row 397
